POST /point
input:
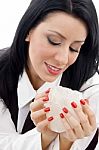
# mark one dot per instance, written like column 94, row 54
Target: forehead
column 60, row 15
column 62, row 19
column 69, row 26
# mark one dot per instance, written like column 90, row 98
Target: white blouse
column 12, row 140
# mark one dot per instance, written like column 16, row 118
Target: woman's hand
column 38, row 116
column 75, row 129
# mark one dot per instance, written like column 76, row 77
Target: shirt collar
column 26, row 91
column 94, row 80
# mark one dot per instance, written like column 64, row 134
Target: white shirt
column 26, row 93
column 12, row 140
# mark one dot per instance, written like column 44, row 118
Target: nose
column 62, row 56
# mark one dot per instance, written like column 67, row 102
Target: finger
column 42, row 99
column 34, row 106
column 68, row 130
column 37, row 114
column 42, row 126
column 40, row 115
column 74, row 124
column 43, row 94
column 38, row 104
column 84, row 122
column 88, row 111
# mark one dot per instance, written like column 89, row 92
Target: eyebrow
column 65, row 37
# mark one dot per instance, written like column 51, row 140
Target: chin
column 50, row 79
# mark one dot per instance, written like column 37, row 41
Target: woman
column 56, row 43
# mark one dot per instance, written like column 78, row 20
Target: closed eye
column 73, row 50
column 53, row 42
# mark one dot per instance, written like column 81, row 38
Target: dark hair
column 13, row 61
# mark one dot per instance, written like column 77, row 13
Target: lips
column 53, row 69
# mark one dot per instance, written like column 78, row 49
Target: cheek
column 73, row 59
column 39, row 51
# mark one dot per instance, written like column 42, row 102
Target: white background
column 10, row 14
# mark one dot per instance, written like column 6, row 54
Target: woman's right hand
column 38, row 116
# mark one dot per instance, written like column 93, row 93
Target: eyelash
column 53, row 43
column 73, row 50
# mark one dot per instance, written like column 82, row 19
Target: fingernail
column 47, row 109
column 46, row 99
column 50, row 118
column 65, row 110
column 62, row 115
column 82, row 102
column 74, row 105
column 47, row 91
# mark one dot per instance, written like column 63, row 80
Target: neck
column 35, row 81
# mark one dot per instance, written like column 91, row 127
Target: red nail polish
column 46, row 99
column 62, row 115
column 74, row 105
column 50, row 118
column 47, row 91
column 47, row 109
column 65, row 110
column 82, row 102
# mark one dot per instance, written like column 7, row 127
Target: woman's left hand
column 78, row 129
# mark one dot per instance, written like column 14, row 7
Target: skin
column 46, row 61
column 41, row 52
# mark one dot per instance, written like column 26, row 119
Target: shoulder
column 90, row 89
column 91, row 82
column 2, row 51
column 2, row 105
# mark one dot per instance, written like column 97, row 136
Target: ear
column 27, row 39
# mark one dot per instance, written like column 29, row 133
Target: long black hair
column 14, row 59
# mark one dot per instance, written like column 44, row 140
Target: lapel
column 28, row 125
column 13, row 107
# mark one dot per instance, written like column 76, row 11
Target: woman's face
column 54, row 45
